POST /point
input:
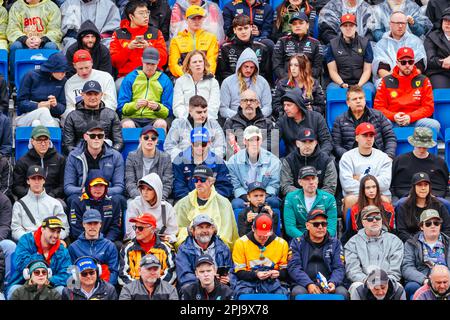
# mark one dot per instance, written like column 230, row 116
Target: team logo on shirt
column 125, row 44
column 418, row 83
column 394, row 94
column 240, row 11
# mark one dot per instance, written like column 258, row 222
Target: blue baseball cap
column 199, row 134
column 92, row 86
column 298, row 16
column 92, row 215
column 255, row 186
column 86, row 263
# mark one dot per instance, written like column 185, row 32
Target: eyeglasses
column 142, row 13
column 405, row 62
column 84, row 274
column 429, row 223
column 318, row 224
column 249, row 100
column 371, row 219
column 96, row 135
column 39, row 272
column 42, row 141
column 153, row 138
column 199, row 179
column 140, row 228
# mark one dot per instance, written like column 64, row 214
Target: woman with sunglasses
column 369, row 194
column 37, row 285
column 427, row 248
column 300, row 76
column 284, row 13
column 197, row 80
column 419, row 199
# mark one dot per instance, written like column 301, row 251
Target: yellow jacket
column 185, row 42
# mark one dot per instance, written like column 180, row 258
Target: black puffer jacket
column 53, row 164
column 2, row 270
column 76, row 121
column 100, row 53
column 317, row 102
column 437, row 47
column 343, row 133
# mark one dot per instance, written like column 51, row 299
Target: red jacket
column 126, row 60
column 411, row 94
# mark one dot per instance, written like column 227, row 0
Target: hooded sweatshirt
column 41, row 206
column 42, row 19
column 99, row 53
column 139, row 205
column 103, row 13
column 230, row 90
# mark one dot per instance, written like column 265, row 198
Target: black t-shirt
column 201, row 202
column 91, row 162
column 315, row 262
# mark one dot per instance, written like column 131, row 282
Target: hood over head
column 247, row 55
column 295, row 96
column 154, row 181
column 88, row 27
column 92, row 175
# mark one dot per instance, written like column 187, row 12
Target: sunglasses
column 96, row 135
column 199, row 179
column 139, row 228
column 204, row 144
column 87, row 273
column 405, row 62
column 317, row 224
column 371, row 219
column 146, row 137
column 429, row 223
column 40, row 272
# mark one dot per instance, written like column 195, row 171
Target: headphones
column 26, row 272
column 75, row 271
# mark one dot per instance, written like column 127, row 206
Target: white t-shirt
column 309, row 202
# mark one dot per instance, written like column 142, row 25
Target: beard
column 203, row 239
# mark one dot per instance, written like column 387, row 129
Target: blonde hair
column 187, row 61
column 242, row 82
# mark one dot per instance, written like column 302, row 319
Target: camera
column 262, row 209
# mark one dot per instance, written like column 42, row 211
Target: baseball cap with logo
column 405, row 52
column 316, row 213
column 92, row 86
column 252, row 131
column 420, row 177
column 52, row 222
column 298, row 16
column 92, row 215
column 199, row 134
column 364, row 128
column 35, row 171
column 262, row 224
column 150, row 55
column 203, row 171
column 206, row 258
column 98, row 180
column 150, row 260
column 149, row 128
column 255, row 186
column 86, row 263
column 202, row 218
column 40, row 131
column 348, row 17
column 422, row 137
column 307, row 171
column 195, row 11
column 377, row 277
column 429, row 214
column 368, row 210
column 306, row 134
column 81, row 55
column 145, row 218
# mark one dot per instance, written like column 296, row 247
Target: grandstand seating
column 311, row 297
column 4, row 63
column 29, row 59
column 131, row 139
column 23, row 135
column 275, row 211
column 403, row 146
column 442, row 108
column 263, row 296
column 447, row 146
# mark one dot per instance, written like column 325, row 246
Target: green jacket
column 295, row 212
column 42, row 19
column 31, row 292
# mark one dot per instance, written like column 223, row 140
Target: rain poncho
column 382, row 14
column 386, row 51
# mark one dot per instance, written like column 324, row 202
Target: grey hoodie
column 361, row 253
column 139, row 206
column 230, row 93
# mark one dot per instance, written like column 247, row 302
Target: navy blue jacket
column 101, row 249
column 301, row 250
column 183, row 168
column 5, row 135
column 36, row 86
column 109, row 208
column 261, row 15
column 76, row 170
column 188, row 253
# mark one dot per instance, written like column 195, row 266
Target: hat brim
column 92, row 220
column 318, row 215
column 195, row 15
column 93, row 128
column 35, row 174
column 41, row 135
column 52, row 226
column 438, row 217
column 293, row 19
column 422, row 180
column 92, row 90
column 248, row 137
column 344, row 22
column 151, row 61
column 134, row 220
column 149, row 265
column 421, row 144
column 145, row 132
column 258, row 188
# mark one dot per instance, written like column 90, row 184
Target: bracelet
column 341, row 84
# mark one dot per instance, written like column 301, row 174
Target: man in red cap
column 406, row 97
column 260, row 259
column 83, row 64
column 361, row 161
column 146, row 241
column 349, row 57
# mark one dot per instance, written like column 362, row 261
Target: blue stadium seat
column 310, row 297
column 275, row 211
column 4, row 63
column 262, row 296
column 447, row 146
column 23, row 135
column 171, row 3
column 403, row 146
column 29, row 59
column 442, row 108
column 316, row 27
column 348, row 220
column 131, row 139
column 282, row 149
column 275, row 4
column 223, row 3
column 336, row 103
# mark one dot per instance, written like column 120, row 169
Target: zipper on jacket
column 146, row 92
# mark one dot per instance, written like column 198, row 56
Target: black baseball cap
column 315, row 213
column 35, row 171
column 255, row 186
column 206, row 258
column 91, row 125
column 306, row 134
column 419, row 177
column 203, row 171
column 307, row 171
column 92, row 86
